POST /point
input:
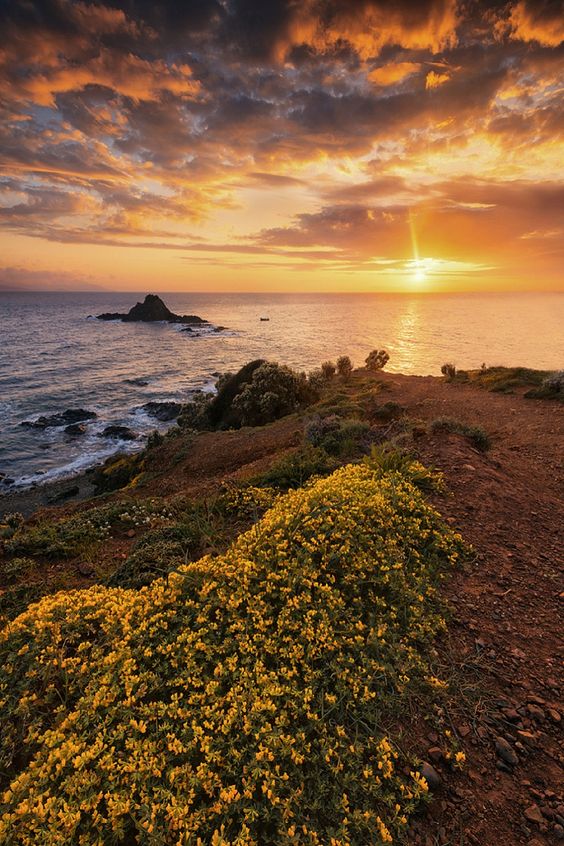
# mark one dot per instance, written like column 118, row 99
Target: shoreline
column 55, row 493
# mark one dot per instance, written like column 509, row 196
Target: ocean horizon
column 54, row 356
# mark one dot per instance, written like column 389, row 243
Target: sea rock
column 68, row 417
column 152, row 310
column 121, row 433
column 75, row 429
column 163, row 411
column 140, row 382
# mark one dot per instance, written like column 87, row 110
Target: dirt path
column 508, row 623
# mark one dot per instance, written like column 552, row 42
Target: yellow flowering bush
column 241, row 700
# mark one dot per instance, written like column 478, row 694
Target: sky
column 282, row 145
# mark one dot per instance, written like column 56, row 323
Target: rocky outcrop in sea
column 153, row 310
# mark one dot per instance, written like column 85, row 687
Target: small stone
column 535, row 712
column 554, row 715
column 435, row 753
column 131, row 533
column 527, row 737
column 468, row 467
column 463, row 730
column 430, row 775
column 506, row 751
column 512, row 715
column 85, row 569
column 518, row 653
column 501, row 765
column 533, row 814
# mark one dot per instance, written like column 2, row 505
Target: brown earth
column 504, row 646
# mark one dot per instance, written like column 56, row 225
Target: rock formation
column 152, row 310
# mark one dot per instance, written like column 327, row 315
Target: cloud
column 537, row 20
column 22, row 279
column 314, row 126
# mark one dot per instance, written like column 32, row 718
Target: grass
column 506, row 379
column 242, row 699
column 475, row 434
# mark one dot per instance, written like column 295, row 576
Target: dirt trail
column 508, row 623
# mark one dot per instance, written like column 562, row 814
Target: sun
column 420, row 269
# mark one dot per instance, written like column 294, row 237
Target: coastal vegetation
column 243, row 639
column 186, row 711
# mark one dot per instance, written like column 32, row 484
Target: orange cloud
column 537, row 21
column 433, row 80
column 390, row 74
column 125, row 74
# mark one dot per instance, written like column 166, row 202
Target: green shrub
column 328, row 369
column 448, row 370
column 336, row 436
column 388, row 460
column 377, row 360
column 75, row 535
column 220, row 411
column 344, row 367
column 476, row 434
column 295, row 469
column 273, row 392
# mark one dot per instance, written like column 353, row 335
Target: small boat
column 265, row 318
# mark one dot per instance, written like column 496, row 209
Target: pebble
column 535, row 712
column 554, row 715
column 435, row 753
column 430, row 775
column 506, row 751
column 533, row 814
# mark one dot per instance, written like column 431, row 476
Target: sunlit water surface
column 53, row 357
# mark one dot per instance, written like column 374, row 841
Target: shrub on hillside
column 476, row 434
column 338, row 436
column 448, row 370
column 273, row 391
column 344, row 367
column 377, row 360
column 243, row 699
column 328, row 369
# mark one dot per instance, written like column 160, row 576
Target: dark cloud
column 123, row 121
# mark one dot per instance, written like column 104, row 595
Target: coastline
column 55, row 493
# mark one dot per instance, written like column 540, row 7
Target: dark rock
column 85, row 569
column 220, row 329
column 140, row 382
column 121, row 433
column 152, row 310
column 435, row 753
column 430, row 775
column 187, row 329
column 75, row 429
column 506, row 751
column 61, row 496
column 163, row 411
column 535, row 712
column 71, row 415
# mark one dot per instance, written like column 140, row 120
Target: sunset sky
column 272, row 145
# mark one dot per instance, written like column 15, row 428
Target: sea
column 54, row 354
